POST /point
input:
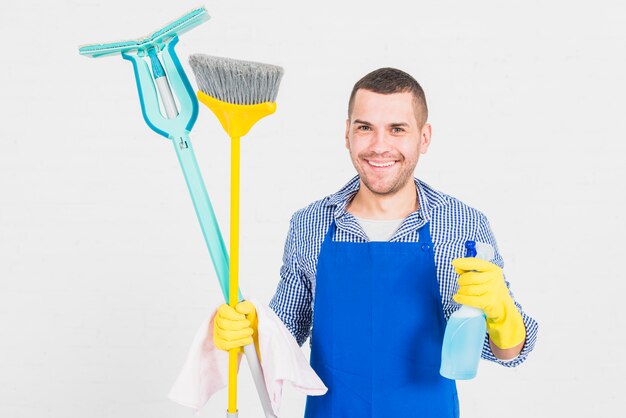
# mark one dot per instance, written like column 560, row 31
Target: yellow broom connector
column 237, row 119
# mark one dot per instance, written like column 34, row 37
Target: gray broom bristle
column 236, row 81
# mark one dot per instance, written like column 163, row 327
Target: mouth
column 381, row 164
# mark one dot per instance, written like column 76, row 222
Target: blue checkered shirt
column 451, row 224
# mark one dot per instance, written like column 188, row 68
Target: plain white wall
column 104, row 274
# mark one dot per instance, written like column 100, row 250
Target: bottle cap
column 470, row 248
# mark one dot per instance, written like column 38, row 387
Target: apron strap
column 424, row 236
column 331, row 232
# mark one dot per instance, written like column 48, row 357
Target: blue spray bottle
column 465, row 332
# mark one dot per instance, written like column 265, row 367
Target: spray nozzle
column 480, row 250
column 470, row 249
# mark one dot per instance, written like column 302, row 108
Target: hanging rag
column 206, row 368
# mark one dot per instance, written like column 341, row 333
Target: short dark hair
column 391, row 80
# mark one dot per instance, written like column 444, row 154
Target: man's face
column 385, row 140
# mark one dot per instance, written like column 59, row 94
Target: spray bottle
column 465, row 332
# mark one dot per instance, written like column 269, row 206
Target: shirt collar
column 341, row 199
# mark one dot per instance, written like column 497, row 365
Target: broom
column 239, row 93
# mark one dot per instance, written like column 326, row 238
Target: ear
column 425, row 137
column 347, row 132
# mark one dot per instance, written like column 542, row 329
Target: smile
column 387, row 164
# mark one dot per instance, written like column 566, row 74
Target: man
column 373, row 270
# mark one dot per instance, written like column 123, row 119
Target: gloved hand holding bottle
column 236, row 327
column 482, row 285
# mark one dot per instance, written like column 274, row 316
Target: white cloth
column 206, row 369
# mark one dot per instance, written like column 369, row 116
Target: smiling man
column 375, row 270
column 385, row 135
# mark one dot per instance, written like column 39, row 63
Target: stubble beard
column 394, row 185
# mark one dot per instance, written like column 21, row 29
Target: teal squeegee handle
column 204, row 211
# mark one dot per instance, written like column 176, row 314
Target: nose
column 380, row 142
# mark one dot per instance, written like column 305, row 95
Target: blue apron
column 378, row 327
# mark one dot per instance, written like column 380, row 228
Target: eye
column 363, row 128
column 397, row 129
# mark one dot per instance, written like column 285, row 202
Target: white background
column 104, row 273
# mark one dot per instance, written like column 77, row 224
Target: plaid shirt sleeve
column 292, row 301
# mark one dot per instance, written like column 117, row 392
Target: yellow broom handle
column 234, row 264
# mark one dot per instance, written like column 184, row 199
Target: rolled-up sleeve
column 292, row 301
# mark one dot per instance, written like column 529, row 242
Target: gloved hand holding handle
column 482, row 285
column 236, row 327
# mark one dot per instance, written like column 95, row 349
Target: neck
column 369, row 205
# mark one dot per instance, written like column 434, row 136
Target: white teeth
column 389, row 164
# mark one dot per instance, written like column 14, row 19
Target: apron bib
column 378, row 328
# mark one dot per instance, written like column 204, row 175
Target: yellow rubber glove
column 481, row 285
column 234, row 328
